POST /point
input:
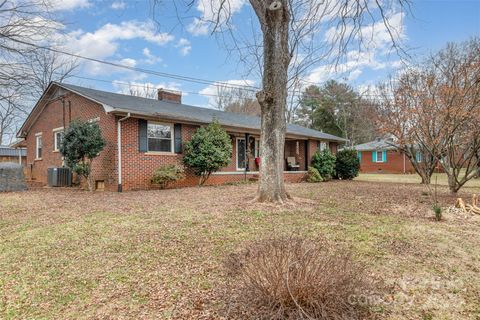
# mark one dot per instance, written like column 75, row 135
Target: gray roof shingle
column 379, row 144
column 170, row 110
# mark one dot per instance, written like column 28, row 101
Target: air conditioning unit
column 59, row 177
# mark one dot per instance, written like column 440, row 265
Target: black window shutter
column 177, row 133
column 142, row 135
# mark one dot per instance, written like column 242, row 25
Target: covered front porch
column 297, row 153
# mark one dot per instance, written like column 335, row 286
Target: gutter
column 119, row 148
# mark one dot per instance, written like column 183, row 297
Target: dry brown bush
column 294, row 278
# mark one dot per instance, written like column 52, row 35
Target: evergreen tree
column 82, row 143
column 209, row 150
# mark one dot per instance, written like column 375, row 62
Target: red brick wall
column 138, row 167
column 394, row 164
column 103, row 167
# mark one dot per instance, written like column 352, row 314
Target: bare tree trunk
column 273, row 100
column 452, row 184
column 426, row 179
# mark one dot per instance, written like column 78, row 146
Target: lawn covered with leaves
column 160, row 254
column 441, row 179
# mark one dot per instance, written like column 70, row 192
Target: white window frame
column 236, row 154
column 257, row 148
column 172, row 138
column 381, row 158
column 55, row 132
column 37, row 137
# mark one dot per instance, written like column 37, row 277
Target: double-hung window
column 58, row 135
column 38, row 146
column 160, row 137
column 379, row 156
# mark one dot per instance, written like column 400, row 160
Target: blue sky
column 123, row 32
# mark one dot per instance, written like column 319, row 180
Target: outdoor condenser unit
column 59, row 177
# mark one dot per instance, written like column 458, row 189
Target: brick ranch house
column 381, row 156
column 150, row 133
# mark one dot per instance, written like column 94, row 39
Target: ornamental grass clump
column 294, row 278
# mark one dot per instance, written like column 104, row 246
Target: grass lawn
column 411, row 178
column 159, row 254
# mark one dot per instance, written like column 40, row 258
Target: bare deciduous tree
column 45, row 66
column 456, row 74
column 405, row 112
column 434, row 109
column 24, row 69
column 292, row 37
column 145, row 90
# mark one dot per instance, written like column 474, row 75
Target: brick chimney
column 170, row 95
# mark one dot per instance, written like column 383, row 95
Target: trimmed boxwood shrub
column 166, row 174
column 347, row 164
column 324, row 162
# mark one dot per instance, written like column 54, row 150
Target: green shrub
column 209, row 150
column 166, row 174
column 313, row 175
column 82, row 143
column 347, row 164
column 438, row 212
column 324, row 162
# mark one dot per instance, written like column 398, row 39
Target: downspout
column 119, row 148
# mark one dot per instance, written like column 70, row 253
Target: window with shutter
column 159, row 137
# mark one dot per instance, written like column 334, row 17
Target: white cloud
column 185, row 50
column 95, row 68
column 375, row 35
column 377, row 43
column 212, row 11
column 104, row 42
column 354, row 74
column 198, row 27
column 118, row 5
column 59, row 5
column 184, row 46
column 128, row 62
column 150, row 57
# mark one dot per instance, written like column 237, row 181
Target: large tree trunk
column 273, row 99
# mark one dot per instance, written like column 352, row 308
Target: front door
column 241, row 154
